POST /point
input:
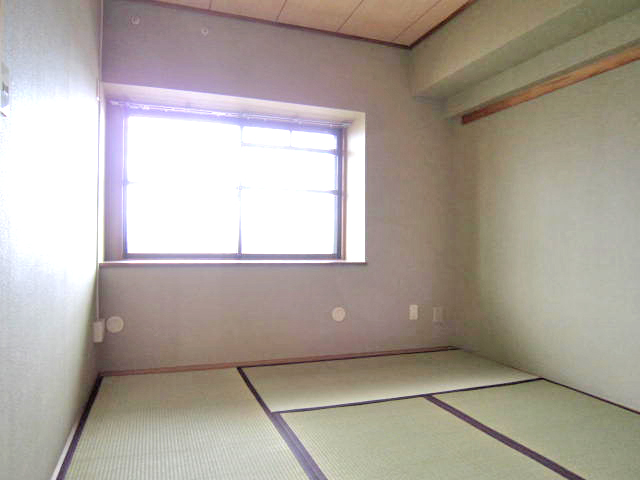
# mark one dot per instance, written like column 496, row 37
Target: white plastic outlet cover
column 438, row 315
column 115, row 324
column 338, row 314
column 98, row 331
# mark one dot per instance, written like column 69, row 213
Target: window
column 196, row 185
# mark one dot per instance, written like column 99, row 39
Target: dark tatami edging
column 311, row 466
column 305, row 460
column 628, row 409
column 81, row 423
column 541, row 459
column 406, row 397
column 274, row 362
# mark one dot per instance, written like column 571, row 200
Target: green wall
column 549, row 235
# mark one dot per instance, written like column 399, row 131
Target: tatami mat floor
column 443, row 415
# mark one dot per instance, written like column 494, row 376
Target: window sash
column 337, row 192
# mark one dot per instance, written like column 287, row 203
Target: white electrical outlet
column 438, row 315
column 413, row 312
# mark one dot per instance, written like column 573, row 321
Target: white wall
column 48, row 177
column 177, row 315
column 549, row 235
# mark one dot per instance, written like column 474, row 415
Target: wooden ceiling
column 398, row 22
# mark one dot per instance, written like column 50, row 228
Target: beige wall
column 549, row 235
column 48, row 176
column 206, row 314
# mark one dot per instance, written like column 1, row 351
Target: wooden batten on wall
column 583, row 73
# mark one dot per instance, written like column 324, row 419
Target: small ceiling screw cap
column 338, row 314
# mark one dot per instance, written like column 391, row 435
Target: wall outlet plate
column 438, row 315
column 98, row 331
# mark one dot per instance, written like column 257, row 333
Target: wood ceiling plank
column 385, row 20
column 321, row 14
column 204, row 4
column 260, row 9
column 430, row 20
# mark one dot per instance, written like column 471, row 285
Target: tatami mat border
column 305, row 460
column 418, row 395
column 628, row 409
column 550, row 464
column 81, row 423
column 276, row 362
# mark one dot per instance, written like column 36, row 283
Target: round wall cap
column 338, row 314
column 115, row 324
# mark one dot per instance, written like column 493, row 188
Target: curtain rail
column 222, row 114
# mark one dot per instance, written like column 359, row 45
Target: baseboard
column 65, row 449
column 74, row 436
column 278, row 361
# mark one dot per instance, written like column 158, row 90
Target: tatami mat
column 592, row 438
column 180, row 426
column 406, row 440
column 317, row 384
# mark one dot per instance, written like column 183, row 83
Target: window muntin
column 200, row 187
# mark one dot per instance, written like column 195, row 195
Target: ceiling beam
column 596, row 68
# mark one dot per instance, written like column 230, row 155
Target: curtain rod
column 240, row 115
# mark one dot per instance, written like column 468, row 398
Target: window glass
column 164, row 149
column 288, row 222
column 321, row 141
column 293, row 169
column 266, row 136
column 203, row 187
column 181, row 220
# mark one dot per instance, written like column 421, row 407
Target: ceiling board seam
column 350, row 15
column 420, row 17
column 281, row 10
column 442, row 23
column 289, row 26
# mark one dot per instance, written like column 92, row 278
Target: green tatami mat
column 317, row 384
column 592, row 438
column 406, row 440
column 180, row 426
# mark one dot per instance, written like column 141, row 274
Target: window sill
column 142, row 263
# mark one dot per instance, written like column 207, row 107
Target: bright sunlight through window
column 218, row 188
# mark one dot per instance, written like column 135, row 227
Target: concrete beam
column 494, row 35
column 597, row 43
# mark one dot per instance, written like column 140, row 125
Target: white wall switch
column 413, row 312
column 438, row 315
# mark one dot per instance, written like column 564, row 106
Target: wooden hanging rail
column 600, row 66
